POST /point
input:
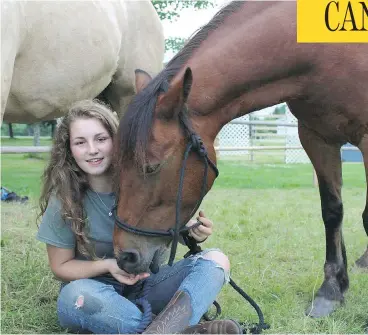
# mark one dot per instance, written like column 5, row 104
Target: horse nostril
column 128, row 258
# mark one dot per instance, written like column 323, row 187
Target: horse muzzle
column 129, row 261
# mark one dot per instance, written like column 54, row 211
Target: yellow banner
column 338, row 21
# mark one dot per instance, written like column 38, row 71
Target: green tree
column 170, row 10
column 174, row 43
column 279, row 110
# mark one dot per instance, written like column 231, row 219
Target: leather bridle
column 195, row 144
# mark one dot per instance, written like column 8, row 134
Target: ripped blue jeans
column 105, row 306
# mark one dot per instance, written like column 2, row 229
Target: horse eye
column 151, row 168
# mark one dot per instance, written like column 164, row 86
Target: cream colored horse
column 54, row 53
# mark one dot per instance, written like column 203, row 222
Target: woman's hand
column 204, row 230
column 122, row 276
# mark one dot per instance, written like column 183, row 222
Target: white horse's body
column 54, row 53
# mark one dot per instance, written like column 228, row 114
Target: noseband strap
column 195, row 144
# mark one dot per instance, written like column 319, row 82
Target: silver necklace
column 110, row 212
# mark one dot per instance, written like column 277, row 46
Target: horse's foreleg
column 363, row 146
column 327, row 163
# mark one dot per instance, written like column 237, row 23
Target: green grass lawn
column 22, row 172
column 267, row 219
column 24, row 141
column 244, row 175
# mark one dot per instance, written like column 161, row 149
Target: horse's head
column 154, row 135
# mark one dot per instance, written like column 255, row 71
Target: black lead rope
column 194, row 144
column 257, row 328
column 261, row 325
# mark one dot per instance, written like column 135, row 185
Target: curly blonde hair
column 64, row 178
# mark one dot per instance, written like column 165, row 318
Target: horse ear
column 187, row 83
column 170, row 103
column 142, row 78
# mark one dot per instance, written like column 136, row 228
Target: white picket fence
column 259, row 132
column 274, row 135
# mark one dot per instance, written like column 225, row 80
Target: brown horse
column 246, row 58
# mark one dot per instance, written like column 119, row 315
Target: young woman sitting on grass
column 96, row 295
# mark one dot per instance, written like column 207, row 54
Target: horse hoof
column 362, row 262
column 321, row 307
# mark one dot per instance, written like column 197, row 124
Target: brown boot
column 174, row 318
column 215, row 327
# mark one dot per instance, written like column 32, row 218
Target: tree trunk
column 36, row 134
column 11, row 134
column 53, row 126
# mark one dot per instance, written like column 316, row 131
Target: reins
column 257, row 328
column 194, row 144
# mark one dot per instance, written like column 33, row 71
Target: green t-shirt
column 56, row 231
